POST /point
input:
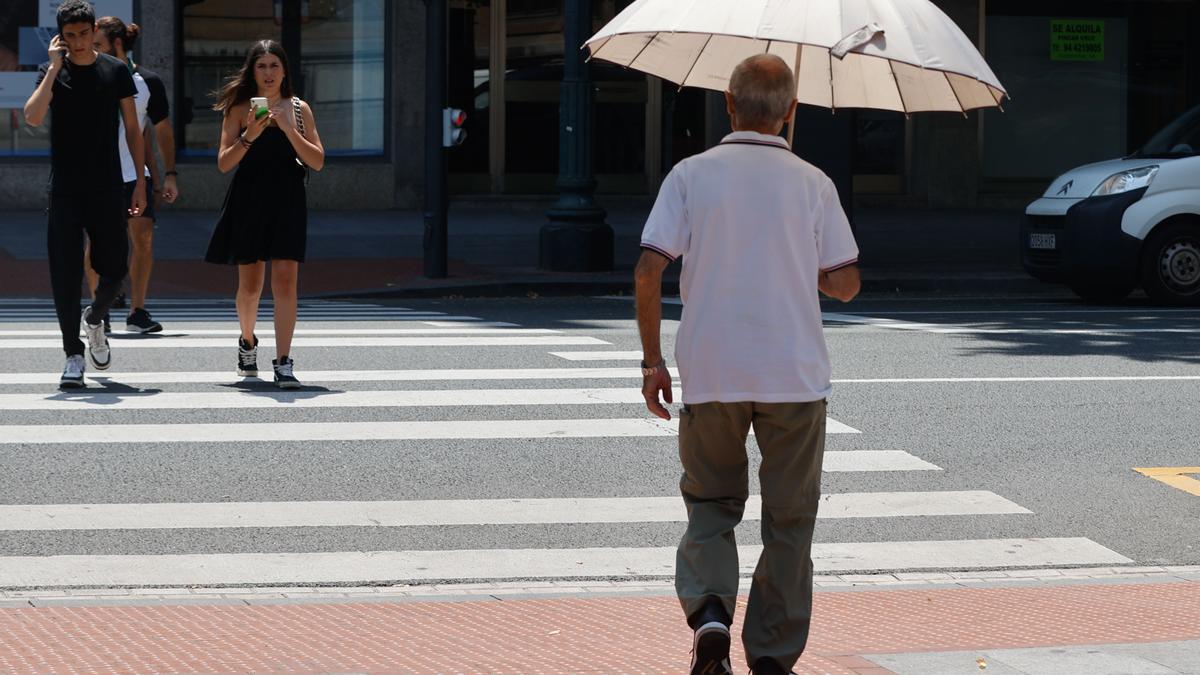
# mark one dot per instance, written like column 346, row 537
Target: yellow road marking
column 1175, row 476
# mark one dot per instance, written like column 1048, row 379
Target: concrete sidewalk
column 494, row 251
column 1068, row 622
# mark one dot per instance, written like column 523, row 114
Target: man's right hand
column 57, row 50
column 652, row 385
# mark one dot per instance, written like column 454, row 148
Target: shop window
column 340, row 68
column 18, row 75
column 1067, row 108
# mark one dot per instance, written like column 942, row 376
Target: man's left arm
column 648, row 276
column 133, row 138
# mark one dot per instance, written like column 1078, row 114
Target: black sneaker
column 139, row 321
column 710, row 650
column 247, row 358
column 768, row 666
column 284, row 379
column 72, row 377
column 107, row 326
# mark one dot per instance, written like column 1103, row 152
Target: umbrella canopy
column 902, row 55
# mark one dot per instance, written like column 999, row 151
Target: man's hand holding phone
column 57, row 51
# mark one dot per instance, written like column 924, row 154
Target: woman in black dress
column 265, row 217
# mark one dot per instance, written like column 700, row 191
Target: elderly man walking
column 761, row 232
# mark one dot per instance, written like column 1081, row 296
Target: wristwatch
column 647, row 371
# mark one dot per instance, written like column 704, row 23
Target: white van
column 1107, row 228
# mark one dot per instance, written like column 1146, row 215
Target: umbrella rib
column 592, row 53
column 683, row 82
column 644, row 47
column 955, row 92
column 899, row 89
column 832, row 91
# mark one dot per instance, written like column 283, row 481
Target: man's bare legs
column 284, row 276
column 141, row 261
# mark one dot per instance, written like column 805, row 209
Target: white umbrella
column 902, row 55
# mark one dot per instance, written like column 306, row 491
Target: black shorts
column 148, row 212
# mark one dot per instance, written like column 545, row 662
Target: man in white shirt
column 761, row 233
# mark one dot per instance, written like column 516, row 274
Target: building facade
column 1088, row 80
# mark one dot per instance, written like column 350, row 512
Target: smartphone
column 259, row 105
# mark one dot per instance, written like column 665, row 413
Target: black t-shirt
column 85, row 118
column 158, row 108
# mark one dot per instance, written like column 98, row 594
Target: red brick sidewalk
column 573, row 635
column 198, row 279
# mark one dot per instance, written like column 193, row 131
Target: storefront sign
column 1077, row 40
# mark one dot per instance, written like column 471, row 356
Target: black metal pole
column 436, row 200
column 290, row 39
column 577, row 239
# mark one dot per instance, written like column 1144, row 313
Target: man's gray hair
column 763, row 89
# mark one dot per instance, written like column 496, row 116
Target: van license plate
column 1043, row 241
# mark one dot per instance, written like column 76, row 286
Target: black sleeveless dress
column 265, row 216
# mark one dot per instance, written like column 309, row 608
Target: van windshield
column 1180, row 138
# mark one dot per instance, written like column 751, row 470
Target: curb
column 500, row 590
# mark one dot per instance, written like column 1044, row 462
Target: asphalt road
column 1045, row 406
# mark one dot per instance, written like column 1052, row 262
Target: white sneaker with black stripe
column 72, row 377
column 98, row 351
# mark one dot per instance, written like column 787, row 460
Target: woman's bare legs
column 284, row 275
column 250, row 286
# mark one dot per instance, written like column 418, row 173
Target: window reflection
column 18, row 72
column 341, row 62
column 216, row 35
column 343, row 65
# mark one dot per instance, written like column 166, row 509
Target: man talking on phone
column 87, row 95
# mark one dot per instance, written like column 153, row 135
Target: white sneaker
column 98, row 352
column 72, row 377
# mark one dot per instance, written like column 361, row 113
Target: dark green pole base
column 576, row 247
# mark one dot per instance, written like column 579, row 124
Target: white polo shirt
column 755, row 224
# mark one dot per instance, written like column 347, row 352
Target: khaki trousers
column 712, row 448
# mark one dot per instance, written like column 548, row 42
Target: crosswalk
column 503, row 413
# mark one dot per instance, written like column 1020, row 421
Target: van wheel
column 1171, row 264
column 1102, row 294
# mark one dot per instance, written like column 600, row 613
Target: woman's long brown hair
column 241, row 87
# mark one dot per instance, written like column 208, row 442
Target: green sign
column 1077, row 40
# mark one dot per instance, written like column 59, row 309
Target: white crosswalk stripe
column 424, row 513
column 432, row 375
column 457, row 329
column 224, row 343
column 553, row 416
column 336, row 399
column 43, row 434
column 370, row 567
